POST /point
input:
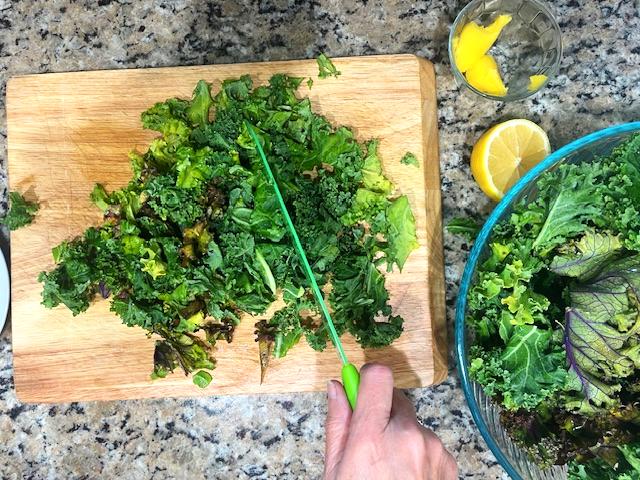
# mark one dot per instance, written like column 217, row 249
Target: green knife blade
column 350, row 375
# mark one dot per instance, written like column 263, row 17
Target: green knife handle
column 351, row 382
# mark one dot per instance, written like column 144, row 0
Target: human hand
column 382, row 438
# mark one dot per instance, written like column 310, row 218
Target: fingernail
column 367, row 366
column 331, row 390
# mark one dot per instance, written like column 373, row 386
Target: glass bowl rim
column 474, row 255
column 459, row 76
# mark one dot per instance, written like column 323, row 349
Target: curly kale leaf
column 366, row 204
column 289, row 329
column 161, row 113
column 194, row 112
column 193, row 167
column 143, row 314
column 372, row 176
column 68, row 285
column 391, row 218
column 401, row 232
column 502, row 297
column 202, row 379
column 571, row 197
column 359, row 296
column 625, row 465
column 21, row 212
column 265, row 219
column 186, row 351
column 529, row 370
column 197, row 239
column 326, row 67
column 288, row 325
column 198, row 110
column 82, row 265
column 170, row 202
column 534, row 366
column 100, row 197
column 410, row 159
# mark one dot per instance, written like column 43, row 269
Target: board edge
column 25, row 77
column 435, row 256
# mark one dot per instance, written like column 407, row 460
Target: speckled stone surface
column 282, row 436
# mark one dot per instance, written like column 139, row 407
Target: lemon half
column 505, row 152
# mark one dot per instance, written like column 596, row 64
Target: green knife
column 350, row 375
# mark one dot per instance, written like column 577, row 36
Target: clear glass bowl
column 531, row 44
column 485, row 413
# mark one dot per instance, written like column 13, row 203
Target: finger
column 336, row 426
column 442, row 464
column 402, row 410
column 375, row 397
column 448, row 468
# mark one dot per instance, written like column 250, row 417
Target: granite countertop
column 282, row 436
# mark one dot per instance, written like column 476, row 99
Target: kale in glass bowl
column 548, row 315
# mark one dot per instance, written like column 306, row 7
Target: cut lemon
column 475, row 40
column 485, row 76
column 505, row 152
column 536, row 81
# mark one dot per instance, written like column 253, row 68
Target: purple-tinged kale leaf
column 585, row 258
column 601, row 334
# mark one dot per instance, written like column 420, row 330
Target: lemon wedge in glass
column 485, row 77
column 475, row 41
column 536, row 81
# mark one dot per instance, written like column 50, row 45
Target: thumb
column 336, row 427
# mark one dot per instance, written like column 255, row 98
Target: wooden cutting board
column 68, row 131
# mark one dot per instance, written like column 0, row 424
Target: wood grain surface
column 68, row 131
